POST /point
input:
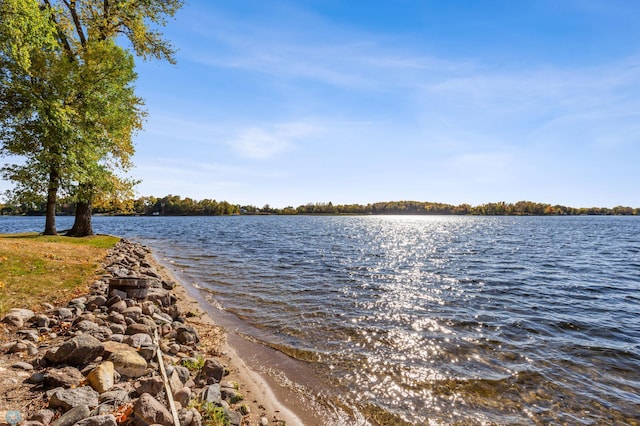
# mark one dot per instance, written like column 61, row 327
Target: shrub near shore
column 36, row 269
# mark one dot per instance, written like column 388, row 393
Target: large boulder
column 78, row 350
column 66, row 377
column 70, row 398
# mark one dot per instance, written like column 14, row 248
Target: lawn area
column 35, row 269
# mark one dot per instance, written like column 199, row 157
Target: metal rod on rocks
column 167, row 386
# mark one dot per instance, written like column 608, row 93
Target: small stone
column 264, row 421
column 174, row 381
column 111, row 347
column 211, row 372
column 172, row 311
column 118, row 307
column 151, row 385
column 132, row 312
column 101, row 420
column 23, row 366
column 138, row 340
column 116, row 397
column 161, row 296
column 186, row 338
column 116, row 318
column 119, row 338
column 169, row 285
column 148, row 321
column 42, row 320
column 165, row 319
column 148, row 352
column 230, row 394
column 64, row 313
column 98, row 300
column 233, row 417
column 113, row 299
column 102, row 333
column 212, row 394
column 17, row 317
column 43, row 416
column 117, row 328
column 183, row 373
column 185, row 417
column 31, row 335
column 13, row 320
column 87, row 326
column 101, row 378
column 65, row 377
column 85, row 316
column 73, row 416
column 21, row 346
column 36, row 378
column 118, row 293
column 78, row 301
column 183, row 396
column 138, row 328
column 129, row 363
column 148, row 410
column 148, row 308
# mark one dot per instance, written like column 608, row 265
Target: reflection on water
column 431, row 319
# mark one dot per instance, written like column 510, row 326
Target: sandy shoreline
column 263, row 396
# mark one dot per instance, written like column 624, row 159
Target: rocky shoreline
column 115, row 357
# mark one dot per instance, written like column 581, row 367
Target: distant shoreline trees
column 174, row 205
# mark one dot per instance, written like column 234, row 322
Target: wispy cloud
column 258, row 142
column 344, row 58
column 262, row 143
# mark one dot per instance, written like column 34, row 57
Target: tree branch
column 76, row 21
column 61, row 35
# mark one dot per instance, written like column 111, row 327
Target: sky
column 289, row 102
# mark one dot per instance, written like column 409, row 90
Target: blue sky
column 290, row 102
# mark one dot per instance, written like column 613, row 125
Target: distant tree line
column 174, row 205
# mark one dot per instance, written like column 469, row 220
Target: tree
column 67, row 107
column 34, row 113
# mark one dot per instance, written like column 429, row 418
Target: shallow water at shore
column 445, row 319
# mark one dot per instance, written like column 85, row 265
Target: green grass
column 194, row 365
column 212, row 415
column 35, row 269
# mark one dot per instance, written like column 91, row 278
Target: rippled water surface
column 428, row 319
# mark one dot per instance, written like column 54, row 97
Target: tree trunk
column 82, row 225
column 52, row 194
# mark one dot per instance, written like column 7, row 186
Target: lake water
column 511, row 320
